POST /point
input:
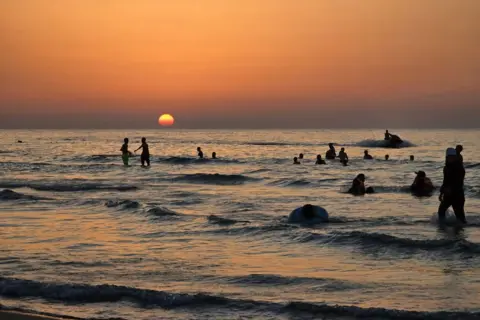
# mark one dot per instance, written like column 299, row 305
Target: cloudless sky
column 240, row 63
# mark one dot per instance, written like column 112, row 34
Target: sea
column 84, row 236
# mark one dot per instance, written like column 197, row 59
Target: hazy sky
column 240, row 63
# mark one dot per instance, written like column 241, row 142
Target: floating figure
column 295, row 161
column 422, row 186
column 367, row 156
column 200, row 153
column 387, row 157
column 320, row 160
column 451, row 192
column 145, row 157
column 308, row 214
column 331, row 154
column 214, row 155
column 358, row 186
column 125, row 153
column 343, row 157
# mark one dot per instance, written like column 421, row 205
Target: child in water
column 125, row 153
column 320, row 160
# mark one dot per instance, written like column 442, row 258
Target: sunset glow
column 224, row 59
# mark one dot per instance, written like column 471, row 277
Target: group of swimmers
column 331, row 154
column 144, row 157
column 451, row 192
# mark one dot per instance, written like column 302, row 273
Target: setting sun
column 166, row 120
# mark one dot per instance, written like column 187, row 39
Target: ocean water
column 84, row 236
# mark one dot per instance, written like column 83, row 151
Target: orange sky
column 204, row 57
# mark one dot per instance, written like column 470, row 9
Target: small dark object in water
column 19, row 141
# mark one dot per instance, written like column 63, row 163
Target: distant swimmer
column 295, row 161
column 451, row 192
column 125, row 153
column 200, row 153
column 308, row 214
column 459, row 149
column 214, row 155
column 300, row 156
column 19, row 141
column 422, row 186
column 387, row 157
column 412, row 158
column 367, row 156
column 343, row 156
column 145, row 157
column 331, row 153
column 358, row 186
column 320, row 160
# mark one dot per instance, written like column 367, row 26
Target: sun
column 166, row 120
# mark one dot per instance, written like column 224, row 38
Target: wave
column 216, row 178
column 161, row 212
column 472, row 165
column 300, row 182
column 324, row 284
column 382, row 240
column 7, row 194
column 186, row 160
column 58, row 187
column 223, row 221
column 146, row 298
column 122, row 204
column 370, row 143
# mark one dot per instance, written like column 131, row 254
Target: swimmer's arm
column 139, row 148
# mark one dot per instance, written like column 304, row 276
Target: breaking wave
column 69, row 187
column 370, row 143
column 216, row 178
column 7, row 194
column 161, row 212
column 122, row 204
column 146, row 298
column 223, row 221
column 186, row 160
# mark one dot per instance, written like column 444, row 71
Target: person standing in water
column 459, row 149
column 125, row 153
column 214, row 155
column 451, row 192
column 200, row 153
column 145, row 157
column 343, row 156
column 367, row 156
column 331, row 153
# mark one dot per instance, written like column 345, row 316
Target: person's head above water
column 319, row 157
column 214, row 155
column 125, row 140
column 421, row 174
column 365, row 152
column 386, row 131
column 459, row 148
column 412, row 157
column 300, row 155
column 144, row 139
column 361, row 177
column 308, row 211
column 387, row 157
column 199, row 149
column 342, row 149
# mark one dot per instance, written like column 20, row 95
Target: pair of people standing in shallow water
column 200, row 154
column 145, row 156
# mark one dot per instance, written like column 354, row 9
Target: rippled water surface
column 84, row 236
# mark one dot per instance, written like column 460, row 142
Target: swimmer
column 300, row 156
column 200, row 153
column 214, row 155
column 367, row 156
column 295, row 161
column 320, row 160
column 343, row 156
column 145, row 157
column 125, row 153
column 331, row 154
column 412, row 158
column 459, row 149
column 358, row 186
column 422, row 186
column 387, row 157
